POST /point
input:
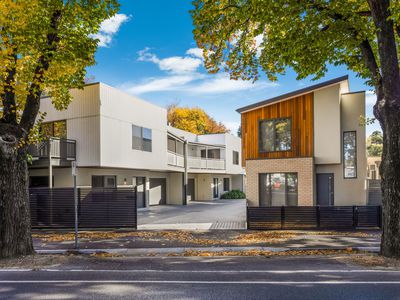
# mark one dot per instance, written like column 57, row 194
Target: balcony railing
column 56, row 148
column 175, row 159
column 178, row 160
column 206, row 163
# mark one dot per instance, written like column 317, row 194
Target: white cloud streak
column 183, row 75
column 109, row 28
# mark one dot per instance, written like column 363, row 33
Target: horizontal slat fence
column 313, row 217
column 97, row 208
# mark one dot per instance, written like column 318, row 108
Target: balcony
column 175, row 159
column 206, row 163
column 61, row 152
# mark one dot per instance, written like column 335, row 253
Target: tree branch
column 32, row 104
column 8, row 96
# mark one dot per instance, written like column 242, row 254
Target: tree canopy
column 194, row 120
column 247, row 37
column 45, row 46
column 375, row 143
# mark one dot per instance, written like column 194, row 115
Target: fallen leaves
column 372, row 260
column 265, row 253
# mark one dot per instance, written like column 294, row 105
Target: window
column 211, row 153
column 278, row 189
column 350, row 154
column 141, row 138
column 55, row 129
column 235, row 155
column 275, row 135
column 104, row 181
column 175, row 146
column 226, row 184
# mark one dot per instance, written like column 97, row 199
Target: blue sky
column 148, row 50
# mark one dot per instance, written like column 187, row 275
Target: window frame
column 260, row 121
column 355, row 155
column 142, row 138
column 269, row 176
column 226, row 180
column 235, row 157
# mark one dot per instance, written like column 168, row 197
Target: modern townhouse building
column 118, row 140
column 306, row 147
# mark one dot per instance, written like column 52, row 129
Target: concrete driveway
column 197, row 215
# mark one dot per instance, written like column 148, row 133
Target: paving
column 202, row 278
column 197, row 215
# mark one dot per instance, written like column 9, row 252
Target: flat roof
column 293, row 94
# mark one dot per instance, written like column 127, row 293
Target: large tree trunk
column 390, row 172
column 15, row 222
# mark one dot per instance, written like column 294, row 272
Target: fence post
column 379, row 216
column 355, row 216
column 247, row 215
column 318, row 211
column 282, row 217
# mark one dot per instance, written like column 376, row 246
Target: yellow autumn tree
column 193, row 119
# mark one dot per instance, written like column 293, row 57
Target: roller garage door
column 158, row 191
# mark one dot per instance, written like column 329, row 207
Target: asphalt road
column 203, row 278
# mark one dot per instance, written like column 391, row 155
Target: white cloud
column 196, row 52
column 167, row 83
column 223, row 84
column 174, row 64
column 370, row 98
column 183, row 75
column 108, row 28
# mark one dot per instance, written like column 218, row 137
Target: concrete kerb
column 182, row 250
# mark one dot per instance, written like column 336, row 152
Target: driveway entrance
column 197, row 215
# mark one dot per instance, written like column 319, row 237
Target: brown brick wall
column 304, row 167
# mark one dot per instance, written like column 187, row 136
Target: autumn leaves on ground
column 199, row 238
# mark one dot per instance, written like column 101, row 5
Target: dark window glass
column 278, row 189
column 171, row 144
column 226, row 184
column 104, row 181
column 55, row 129
column 275, row 135
column 214, row 153
column 235, row 156
column 350, row 154
column 97, row 181
column 179, row 147
column 136, row 137
column 141, row 138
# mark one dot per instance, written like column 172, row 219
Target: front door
column 140, row 184
column 325, row 188
column 215, row 188
column 191, row 189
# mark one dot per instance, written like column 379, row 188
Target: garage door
column 158, row 191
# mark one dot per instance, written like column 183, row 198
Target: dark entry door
column 191, row 195
column 158, row 191
column 325, row 188
column 140, row 184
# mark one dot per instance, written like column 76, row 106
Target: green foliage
column 234, row 194
column 375, row 144
column 246, row 36
column 45, row 47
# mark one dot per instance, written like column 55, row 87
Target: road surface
column 202, row 278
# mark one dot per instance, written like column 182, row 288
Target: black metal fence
column 313, row 217
column 97, row 208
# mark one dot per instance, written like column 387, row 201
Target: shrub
column 234, row 194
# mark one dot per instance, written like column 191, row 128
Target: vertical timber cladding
column 299, row 109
